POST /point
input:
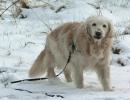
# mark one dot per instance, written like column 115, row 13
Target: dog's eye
column 104, row 26
column 94, row 24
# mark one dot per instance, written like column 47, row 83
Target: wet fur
column 88, row 55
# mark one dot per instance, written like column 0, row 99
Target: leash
column 44, row 78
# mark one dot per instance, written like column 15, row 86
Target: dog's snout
column 98, row 33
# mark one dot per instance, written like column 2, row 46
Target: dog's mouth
column 97, row 37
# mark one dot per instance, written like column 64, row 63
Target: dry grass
column 24, row 3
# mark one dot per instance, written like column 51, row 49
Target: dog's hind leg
column 67, row 74
column 50, row 65
column 50, row 72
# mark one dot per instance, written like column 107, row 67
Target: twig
column 60, row 8
column 96, row 7
column 27, row 43
column 52, row 95
column 9, row 7
column 99, row 11
column 31, row 8
column 51, row 6
column 60, row 96
column 47, row 94
column 116, row 50
column 2, row 71
column 24, row 90
column 42, row 21
column 47, row 26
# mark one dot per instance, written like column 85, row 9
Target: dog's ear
column 110, row 29
column 85, row 28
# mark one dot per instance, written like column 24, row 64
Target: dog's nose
column 98, row 34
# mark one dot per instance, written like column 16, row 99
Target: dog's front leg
column 78, row 76
column 103, row 73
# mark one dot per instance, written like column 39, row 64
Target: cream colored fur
column 90, row 53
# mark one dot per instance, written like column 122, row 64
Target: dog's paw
column 54, row 81
column 109, row 89
column 80, row 86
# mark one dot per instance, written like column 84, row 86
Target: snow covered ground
column 21, row 40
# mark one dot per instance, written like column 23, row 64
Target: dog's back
column 56, row 49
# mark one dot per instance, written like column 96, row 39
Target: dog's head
column 98, row 27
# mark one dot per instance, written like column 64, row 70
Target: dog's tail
column 38, row 68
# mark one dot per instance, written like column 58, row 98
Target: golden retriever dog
column 92, row 41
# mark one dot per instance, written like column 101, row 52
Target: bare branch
column 9, row 7
column 95, row 6
column 60, row 8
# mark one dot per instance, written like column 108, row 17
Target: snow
column 21, row 40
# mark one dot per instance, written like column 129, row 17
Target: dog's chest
column 97, row 54
column 88, row 59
